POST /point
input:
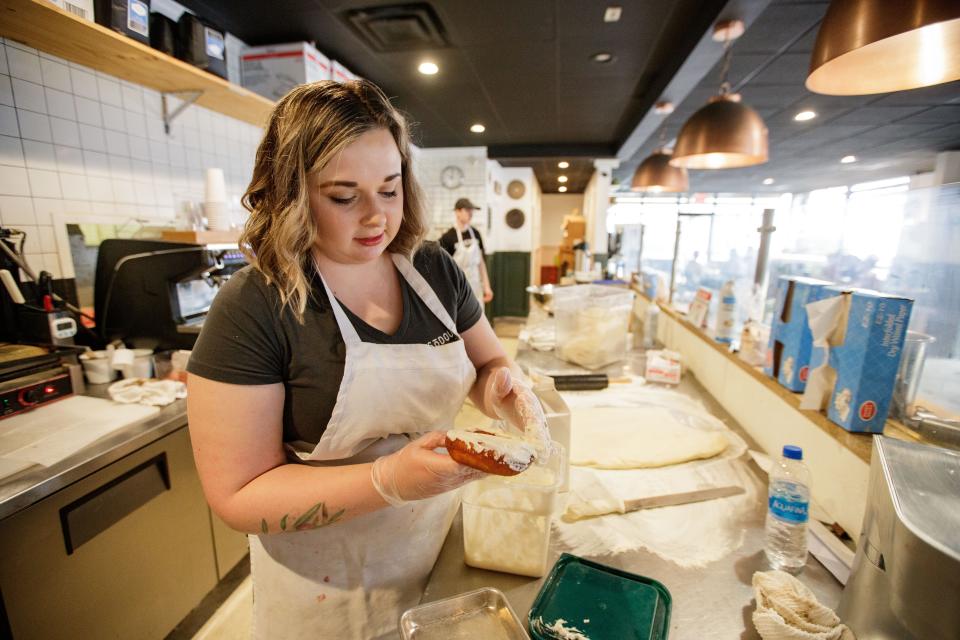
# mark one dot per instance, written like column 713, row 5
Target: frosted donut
column 499, row 455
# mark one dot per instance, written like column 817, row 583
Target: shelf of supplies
column 859, row 444
column 40, row 24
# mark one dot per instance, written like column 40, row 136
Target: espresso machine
column 905, row 582
column 155, row 294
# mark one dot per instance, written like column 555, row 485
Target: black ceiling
column 520, row 67
column 891, row 134
column 523, row 69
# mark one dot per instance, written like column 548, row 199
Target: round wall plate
column 516, row 189
column 515, row 218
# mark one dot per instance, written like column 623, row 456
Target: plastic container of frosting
column 592, row 323
column 506, row 519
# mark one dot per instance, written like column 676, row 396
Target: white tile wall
column 75, row 142
column 429, row 164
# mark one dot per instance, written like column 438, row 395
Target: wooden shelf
column 40, row 24
column 202, row 237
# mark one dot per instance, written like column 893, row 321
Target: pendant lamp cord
column 725, row 69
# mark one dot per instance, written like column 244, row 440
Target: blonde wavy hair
column 307, row 129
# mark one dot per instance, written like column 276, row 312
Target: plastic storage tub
column 588, row 599
column 592, row 322
column 506, row 520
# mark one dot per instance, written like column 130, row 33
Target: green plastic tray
column 618, row 605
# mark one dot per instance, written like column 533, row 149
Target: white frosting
column 515, row 453
column 560, row 630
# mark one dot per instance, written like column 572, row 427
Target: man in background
column 464, row 243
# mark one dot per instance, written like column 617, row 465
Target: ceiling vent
column 399, row 27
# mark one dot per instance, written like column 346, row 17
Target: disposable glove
column 417, row 471
column 515, row 403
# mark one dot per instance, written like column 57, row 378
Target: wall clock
column 451, row 177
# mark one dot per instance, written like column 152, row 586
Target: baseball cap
column 464, row 203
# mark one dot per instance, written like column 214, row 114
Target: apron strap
column 347, row 330
column 424, row 290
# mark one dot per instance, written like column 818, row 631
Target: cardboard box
column 273, row 70
column 340, row 73
column 858, row 339
column 788, row 352
column 80, row 8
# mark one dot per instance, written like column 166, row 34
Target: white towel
column 788, row 610
column 155, row 393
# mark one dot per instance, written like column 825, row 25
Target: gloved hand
column 514, row 402
column 417, row 471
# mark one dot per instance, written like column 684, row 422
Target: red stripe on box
column 284, row 54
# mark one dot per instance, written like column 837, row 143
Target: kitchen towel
column 788, row 610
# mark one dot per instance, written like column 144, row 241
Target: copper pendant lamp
column 723, row 134
column 656, row 175
column 876, row 46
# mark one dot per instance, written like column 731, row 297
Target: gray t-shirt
column 247, row 339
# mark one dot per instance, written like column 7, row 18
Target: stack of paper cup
column 215, row 202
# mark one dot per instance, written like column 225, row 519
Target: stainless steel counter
column 32, row 485
column 713, row 602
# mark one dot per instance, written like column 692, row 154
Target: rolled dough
column 636, row 438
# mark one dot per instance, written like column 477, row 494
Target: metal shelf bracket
column 188, row 97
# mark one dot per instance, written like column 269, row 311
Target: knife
column 671, row 499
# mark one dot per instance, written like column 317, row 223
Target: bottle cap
column 793, row 452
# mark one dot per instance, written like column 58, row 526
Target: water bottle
column 787, row 512
column 726, row 313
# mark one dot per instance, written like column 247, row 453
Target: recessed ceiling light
column 612, row 13
column 563, row 164
column 663, row 108
column 562, row 189
column 478, row 128
column 602, row 57
column 562, row 179
column 848, row 159
column 428, row 68
column 805, row 115
column 768, row 181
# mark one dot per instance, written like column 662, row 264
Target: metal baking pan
column 588, row 599
column 484, row 613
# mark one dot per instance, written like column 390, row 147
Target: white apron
column 469, row 257
column 354, row 579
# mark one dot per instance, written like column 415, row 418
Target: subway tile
column 120, row 168
column 13, row 181
column 65, row 132
column 117, row 143
column 88, row 111
column 8, row 121
column 139, row 147
column 29, row 95
column 178, row 155
column 113, row 118
column 145, row 193
column 11, row 151
column 47, row 210
column 69, row 159
column 31, row 246
column 39, row 155
column 101, row 189
column 74, row 207
column 84, row 83
column 16, row 210
column 109, row 90
column 96, row 163
column 34, row 126
column 142, row 170
column 60, row 104
column 24, row 65
column 132, row 98
column 74, row 186
column 158, row 151
column 44, row 184
column 123, row 191
column 4, row 67
column 153, row 104
column 92, row 138
column 46, row 239
column 51, row 263
column 49, row 56
column 6, row 91
column 136, row 123
column 155, row 130
column 56, row 75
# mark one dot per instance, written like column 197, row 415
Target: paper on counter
column 48, row 434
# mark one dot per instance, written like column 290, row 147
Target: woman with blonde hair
column 322, row 363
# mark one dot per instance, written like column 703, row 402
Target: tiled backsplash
column 75, row 142
column 429, row 165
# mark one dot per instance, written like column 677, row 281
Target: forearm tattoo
column 313, row 518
